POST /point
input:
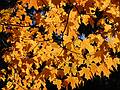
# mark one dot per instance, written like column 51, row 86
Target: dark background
column 4, row 4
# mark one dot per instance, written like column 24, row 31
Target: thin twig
column 66, row 22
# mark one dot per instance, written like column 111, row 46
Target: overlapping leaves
column 57, row 43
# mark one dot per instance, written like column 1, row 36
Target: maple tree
column 58, row 42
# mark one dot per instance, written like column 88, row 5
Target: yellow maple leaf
column 86, row 72
column 1, row 27
column 93, row 68
column 109, row 62
column 33, row 3
column 58, row 83
column 66, row 69
column 73, row 80
column 104, row 69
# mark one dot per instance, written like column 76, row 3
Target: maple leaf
column 104, row 69
column 73, row 80
column 93, row 68
column 86, row 72
column 58, row 83
column 33, row 3
column 66, row 69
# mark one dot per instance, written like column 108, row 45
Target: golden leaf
column 66, row 69
column 86, row 72
column 1, row 27
column 103, row 68
column 93, row 68
column 68, row 45
column 73, row 80
column 58, row 83
column 109, row 62
column 33, row 3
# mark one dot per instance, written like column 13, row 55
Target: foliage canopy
column 58, row 42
